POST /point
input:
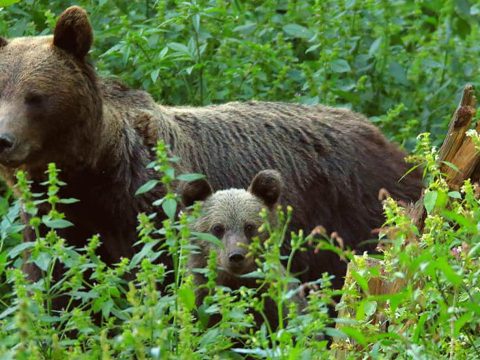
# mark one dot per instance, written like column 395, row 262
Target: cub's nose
column 6, row 142
column 236, row 257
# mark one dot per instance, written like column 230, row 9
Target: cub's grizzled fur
column 53, row 107
column 233, row 216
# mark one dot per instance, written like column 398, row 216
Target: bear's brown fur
column 53, row 107
column 233, row 216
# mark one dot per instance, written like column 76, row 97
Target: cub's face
column 45, row 91
column 233, row 216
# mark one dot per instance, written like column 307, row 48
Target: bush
column 119, row 312
column 400, row 63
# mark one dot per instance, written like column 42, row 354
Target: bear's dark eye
column 218, row 230
column 250, row 230
column 34, row 99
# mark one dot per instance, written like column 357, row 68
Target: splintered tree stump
column 459, row 149
column 461, row 119
column 458, row 160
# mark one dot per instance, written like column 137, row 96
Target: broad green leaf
column 429, row 200
column 443, row 265
column 374, row 47
column 43, row 260
column 355, row 334
column 190, row 177
column 68, row 201
column 187, row 298
column 56, row 223
column 196, row 22
column 459, row 323
column 419, row 328
column 208, row 238
column 146, row 251
column 334, row 332
column 360, row 280
column 340, row 66
column 465, row 222
column 246, row 29
column 451, row 165
column 298, row 31
column 179, row 48
column 8, row 311
column 149, row 185
column 169, row 206
column 370, row 308
column 398, row 73
column 455, row 195
column 442, row 199
column 13, row 253
column 154, row 74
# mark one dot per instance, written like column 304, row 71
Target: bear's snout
column 237, row 257
column 237, row 261
column 14, row 151
column 7, row 142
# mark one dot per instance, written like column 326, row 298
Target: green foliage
column 127, row 311
column 435, row 313
column 401, row 63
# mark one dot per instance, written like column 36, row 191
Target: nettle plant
column 119, row 312
column 127, row 311
column 435, row 311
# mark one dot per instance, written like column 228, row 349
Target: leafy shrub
column 401, row 63
column 435, row 312
column 119, row 312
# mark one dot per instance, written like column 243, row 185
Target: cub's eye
column 218, row 230
column 250, row 230
column 34, row 99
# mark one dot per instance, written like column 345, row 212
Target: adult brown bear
column 53, row 107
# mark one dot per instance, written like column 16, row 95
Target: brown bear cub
column 233, row 216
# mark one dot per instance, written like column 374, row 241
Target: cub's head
column 49, row 102
column 233, row 216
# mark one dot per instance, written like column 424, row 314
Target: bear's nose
column 236, row 257
column 6, row 142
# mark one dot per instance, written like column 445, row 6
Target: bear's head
column 233, row 216
column 49, row 101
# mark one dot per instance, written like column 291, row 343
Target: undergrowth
column 128, row 311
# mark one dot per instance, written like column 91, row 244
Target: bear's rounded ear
column 73, row 32
column 3, row 41
column 197, row 190
column 267, row 185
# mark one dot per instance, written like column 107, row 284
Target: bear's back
column 332, row 160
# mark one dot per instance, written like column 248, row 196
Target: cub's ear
column 73, row 32
column 197, row 190
column 3, row 41
column 267, row 185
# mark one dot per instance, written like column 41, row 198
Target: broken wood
column 461, row 153
column 457, row 157
column 458, row 125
